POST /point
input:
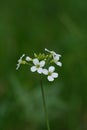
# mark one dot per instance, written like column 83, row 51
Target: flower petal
column 50, row 78
column 39, row 70
column 35, row 61
column 51, row 69
column 59, row 64
column 53, row 53
column 33, row 68
column 18, row 65
column 47, row 50
column 28, row 58
column 42, row 63
column 54, row 75
column 19, row 62
column 56, row 57
column 22, row 56
column 45, row 71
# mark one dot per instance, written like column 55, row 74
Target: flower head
column 51, row 74
column 20, row 61
column 40, row 62
column 37, row 65
column 55, row 56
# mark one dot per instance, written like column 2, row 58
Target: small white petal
column 42, row 63
column 28, row 58
column 45, row 71
column 35, row 61
column 18, row 65
column 33, row 68
column 19, row 62
column 50, row 78
column 56, row 57
column 55, row 75
column 22, row 56
column 53, row 53
column 39, row 70
column 51, row 69
column 47, row 50
column 59, row 64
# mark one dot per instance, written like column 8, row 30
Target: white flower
column 20, row 62
column 53, row 53
column 28, row 58
column 50, row 72
column 56, row 60
column 56, row 57
column 37, row 65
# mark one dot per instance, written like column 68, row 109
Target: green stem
column 44, row 105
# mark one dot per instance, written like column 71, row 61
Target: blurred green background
column 30, row 26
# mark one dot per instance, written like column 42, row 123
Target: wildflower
column 51, row 74
column 56, row 57
column 28, row 58
column 53, row 53
column 37, row 65
column 20, row 61
column 56, row 60
column 40, row 61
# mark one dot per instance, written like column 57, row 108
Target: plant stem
column 44, row 104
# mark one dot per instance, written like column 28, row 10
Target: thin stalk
column 44, row 104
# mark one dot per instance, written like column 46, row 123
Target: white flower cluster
column 39, row 62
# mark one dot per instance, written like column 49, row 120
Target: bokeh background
column 28, row 26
